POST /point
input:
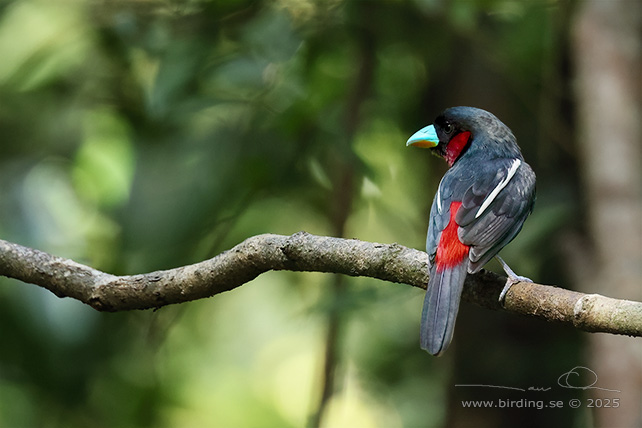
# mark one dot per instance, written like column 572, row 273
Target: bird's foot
column 513, row 279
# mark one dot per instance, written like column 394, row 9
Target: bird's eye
column 448, row 128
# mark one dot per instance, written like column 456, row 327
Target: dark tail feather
column 441, row 306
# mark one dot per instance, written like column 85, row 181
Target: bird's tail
column 441, row 306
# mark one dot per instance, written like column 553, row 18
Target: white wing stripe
column 489, row 199
column 439, row 195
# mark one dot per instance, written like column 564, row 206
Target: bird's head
column 460, row 129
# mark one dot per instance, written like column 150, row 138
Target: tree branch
column 305, row 252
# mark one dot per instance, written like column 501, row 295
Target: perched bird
column 480, row 206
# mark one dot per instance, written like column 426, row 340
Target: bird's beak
column 424, row 138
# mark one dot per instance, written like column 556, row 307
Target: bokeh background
column 146, row 134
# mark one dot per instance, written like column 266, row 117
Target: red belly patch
column 450, row 251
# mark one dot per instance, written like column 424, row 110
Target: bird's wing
column 436, row 225
column 451, row 188
column 494, row 208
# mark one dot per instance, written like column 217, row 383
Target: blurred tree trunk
column 346, row 177
column 607, row 59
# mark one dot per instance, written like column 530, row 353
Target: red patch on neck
column 450, row 251
column 455, row 146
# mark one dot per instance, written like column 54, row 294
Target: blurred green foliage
column 142, row 135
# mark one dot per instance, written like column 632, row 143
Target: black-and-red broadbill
column 480, row 206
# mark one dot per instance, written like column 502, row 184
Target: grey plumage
column 496, row 188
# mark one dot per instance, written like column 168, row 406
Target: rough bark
column 305, row 252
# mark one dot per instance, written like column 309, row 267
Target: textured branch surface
column 305, row 252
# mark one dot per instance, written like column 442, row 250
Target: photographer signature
column 567, row 380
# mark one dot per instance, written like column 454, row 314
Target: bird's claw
column 512, row 279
